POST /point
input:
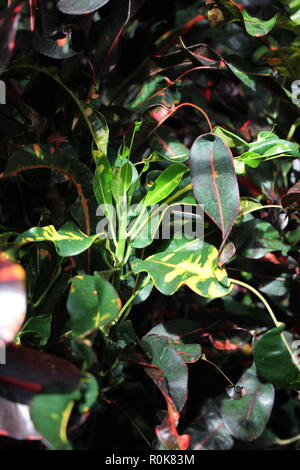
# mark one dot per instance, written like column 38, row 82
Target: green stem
column 284, row 442
column 213, row 364
column 261, row 298
column 154, row 213
column 125, row 310
column 270, row 311
column 48, row 288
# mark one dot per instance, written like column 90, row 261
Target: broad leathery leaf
column 92, row 303
column 292, row 197
column 174, row 370
column 45, row 156
column 208, row 432
column 198, row 270
column 269, row 145
column 15, row 421
column 106, row 52
column 275, row 361
column 214, row 181
column 166, row 182
column 9, row 19
column 168, row 146
column 80, row 7
column 20, row 381
column 188, row 352
column 12, row 299
column 50, row 412
column 247, row 417
column 257, row 27
column 68, row 240
column 50, row 47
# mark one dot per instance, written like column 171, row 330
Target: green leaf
column 257, row 27
column 126, row 174
column 229, row 138
column 173, row 368
column 89, row 392
column 50, row 412
column 247, row 417
column 167, row 181
column 197, row 270
column 208, row 432
column 99, row 130
column 254, row 238
column 240, row 70
column 148, row 225
column 275, row 361
column 68, row 240
column 38, row 329
column 214, row 181
column 180, row 342
column 92, row 304
column 249, row 205
column 102, row 184
column 165, row 142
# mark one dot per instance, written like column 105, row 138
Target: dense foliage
column 149, row 217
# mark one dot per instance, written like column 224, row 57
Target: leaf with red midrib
column 214, row 181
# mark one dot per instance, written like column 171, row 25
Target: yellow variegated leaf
column 196, row 269
column 68, row 241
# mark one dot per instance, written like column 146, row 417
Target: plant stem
column 213, row 364
column 261, row 298
column 284, row 442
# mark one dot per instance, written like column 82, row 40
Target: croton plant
column 149, row 218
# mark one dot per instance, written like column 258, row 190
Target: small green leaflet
column 166, row 182
column 257, row 27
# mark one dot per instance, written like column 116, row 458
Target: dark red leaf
column 292, row 197
column 28, row 371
